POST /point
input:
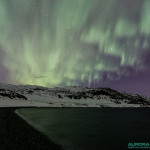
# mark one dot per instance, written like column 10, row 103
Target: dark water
column 92, row 128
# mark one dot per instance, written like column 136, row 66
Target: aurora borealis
column 75, row 42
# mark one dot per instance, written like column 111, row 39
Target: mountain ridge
column 102, row 97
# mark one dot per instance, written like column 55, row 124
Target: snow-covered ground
column 35, row 96
column 5, row 102
column 63, row 103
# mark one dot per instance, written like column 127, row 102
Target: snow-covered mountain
column 72, row 96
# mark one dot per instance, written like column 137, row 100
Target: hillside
column 73, row 96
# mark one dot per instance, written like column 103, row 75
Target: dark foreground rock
column 16, row 134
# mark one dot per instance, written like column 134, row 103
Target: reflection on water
column 91, row 128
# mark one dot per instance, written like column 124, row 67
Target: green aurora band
column 72, row 42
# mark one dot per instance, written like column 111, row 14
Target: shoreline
column 16, row 133
column 53, row 132
column 13, row 126
column 52, row 103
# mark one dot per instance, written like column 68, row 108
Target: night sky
column 90, row 43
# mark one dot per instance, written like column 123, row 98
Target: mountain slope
column 73, row 96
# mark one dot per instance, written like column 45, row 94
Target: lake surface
column 91, row 128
